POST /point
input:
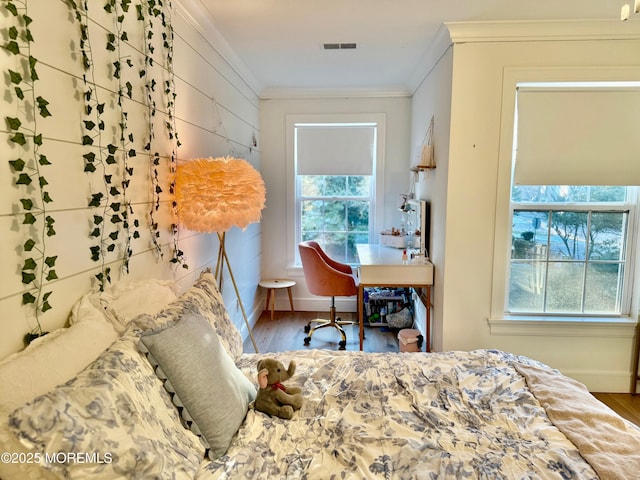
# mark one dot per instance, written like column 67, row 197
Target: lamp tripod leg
column 222, row 255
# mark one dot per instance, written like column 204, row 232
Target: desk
column 382, row 267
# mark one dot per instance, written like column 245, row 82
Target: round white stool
column 272, row 286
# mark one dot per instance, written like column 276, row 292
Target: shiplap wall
column 217, row 115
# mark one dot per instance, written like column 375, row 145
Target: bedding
column 483, row 414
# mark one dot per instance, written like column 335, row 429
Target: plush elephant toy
column 273, row 397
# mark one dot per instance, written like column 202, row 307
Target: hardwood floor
column 286, row 332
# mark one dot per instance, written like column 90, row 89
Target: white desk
column 382, row 267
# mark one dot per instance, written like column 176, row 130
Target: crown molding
column 437, row 48
column 199, row 18
column 525, row 30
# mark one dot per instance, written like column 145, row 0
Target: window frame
column 293, row 188
column 500, row 322
column 629, row 207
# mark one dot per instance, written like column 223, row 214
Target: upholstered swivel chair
column 326, row 277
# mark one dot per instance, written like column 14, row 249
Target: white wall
column 433, row 98
column 273, row 114
column 217, row 114
column 600, row 357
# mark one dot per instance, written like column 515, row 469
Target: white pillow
column 122, row 302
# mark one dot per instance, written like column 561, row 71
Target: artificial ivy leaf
column 111, row 247
column 136, row 234
column 49, row 220
column 37, row 139
column 27, row 277
column 114, row 191
column 17, row 164
column 116, row 71
column 107, row 8
column 96, row 198
column 89, row 157
column 28, row 36
column 101, row 125
column 124, row 37
column 97, row 219
column 50, row 231
column 158, row 189
column 19, row 138
column 87, row 140
column 95, row 253
column 29, row 244
column 43, row 160
column 51, row 261
column 23, row 179
column 89, row 125
column 13, row 47
column 46, row 198
column 107, row 179
column 27, row 203
column 110, row 160
column 111, row 47
column 28, row 298
column 113, row 236
column 46, row 306
column 115, row 206
column 100, row 108
column 116, row 219
column 129, row 89
column 19, row 93
column 42, row 181
column 112, row 148
column 132, row 152
column 139, row 12
column 29, row 219
column 29, row 264
column 89, row 167
column 32, row 67
column 95, row 232
column 42, row 106
column 27, row 19
column 129, row 63
column 15, row 77
column 13, row 123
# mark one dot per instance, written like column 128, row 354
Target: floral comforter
column 405, row 416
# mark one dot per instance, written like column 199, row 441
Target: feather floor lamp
column 215, row 194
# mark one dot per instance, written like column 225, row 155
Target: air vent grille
column 339, row 46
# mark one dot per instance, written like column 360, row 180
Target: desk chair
column 329, row 278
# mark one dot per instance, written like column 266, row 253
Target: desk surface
column 381, row 265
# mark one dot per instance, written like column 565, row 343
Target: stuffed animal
column 273, row 397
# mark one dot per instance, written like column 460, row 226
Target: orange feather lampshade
column 215, row 194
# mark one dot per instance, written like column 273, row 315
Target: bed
column 478, row 414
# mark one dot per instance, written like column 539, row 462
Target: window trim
column 379, row 119
column 501, row 323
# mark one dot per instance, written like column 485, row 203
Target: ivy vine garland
column 28, row 167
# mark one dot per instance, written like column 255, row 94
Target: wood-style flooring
column 286, row 332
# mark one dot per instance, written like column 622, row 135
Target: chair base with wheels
column 334, row 322
column 326, row 277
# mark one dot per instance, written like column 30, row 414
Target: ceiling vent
column 339, row 46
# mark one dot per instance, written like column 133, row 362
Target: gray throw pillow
column 214, row 393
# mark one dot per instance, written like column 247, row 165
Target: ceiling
column 280, row 42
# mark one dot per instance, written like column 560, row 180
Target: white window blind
column 579, row 136
column 335, row 149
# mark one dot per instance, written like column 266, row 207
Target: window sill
column 563, row 326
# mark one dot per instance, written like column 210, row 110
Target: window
column 571, row 244
column 335, row 185
column 569, row 249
